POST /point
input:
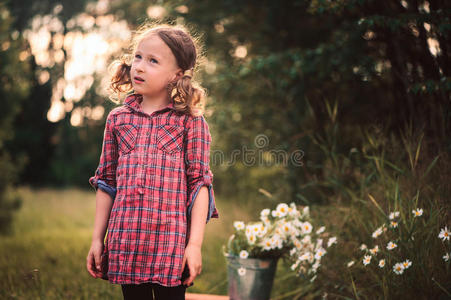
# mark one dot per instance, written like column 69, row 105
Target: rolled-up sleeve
column 197, row 161
column 105, row 175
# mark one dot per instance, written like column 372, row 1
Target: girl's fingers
column 89, row 265
column 97, row 262
column 193, row 273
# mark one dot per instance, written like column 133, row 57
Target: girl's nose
column 138, row 66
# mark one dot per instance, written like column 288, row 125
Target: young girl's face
column 153, row 67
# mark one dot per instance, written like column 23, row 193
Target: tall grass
column 363, row 183
column 45, row 256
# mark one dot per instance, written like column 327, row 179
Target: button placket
column 144, row 157
column 141, row 173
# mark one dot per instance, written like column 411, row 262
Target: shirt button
column 140, row 191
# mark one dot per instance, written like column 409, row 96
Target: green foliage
column 14, row 89
column 379, row 176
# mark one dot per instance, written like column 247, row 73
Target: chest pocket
column 170, row 138
column 126, row 137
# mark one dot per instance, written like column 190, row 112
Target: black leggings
column 152, row 291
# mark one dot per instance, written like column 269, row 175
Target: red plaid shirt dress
column 156, row 164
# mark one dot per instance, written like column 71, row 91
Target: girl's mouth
column 138, row 79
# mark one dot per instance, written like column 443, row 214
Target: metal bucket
column 255, row 279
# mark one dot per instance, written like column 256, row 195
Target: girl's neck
column 150, row 105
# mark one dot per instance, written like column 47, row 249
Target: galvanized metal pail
column 250, row 278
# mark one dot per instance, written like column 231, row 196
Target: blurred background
column 357, row 90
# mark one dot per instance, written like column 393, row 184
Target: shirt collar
column 133, row 101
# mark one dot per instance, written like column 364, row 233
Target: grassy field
column 45, row 257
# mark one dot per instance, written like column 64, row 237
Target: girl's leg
column 141, row 291
column 172, row 292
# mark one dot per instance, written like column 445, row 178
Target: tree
column 14, row 89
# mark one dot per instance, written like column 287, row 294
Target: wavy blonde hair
column 187, row 94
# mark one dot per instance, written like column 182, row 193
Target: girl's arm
column 104, row 181
column 104, row 202
column 197, row 228
column 200, row 203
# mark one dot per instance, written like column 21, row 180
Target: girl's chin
column 137, row 89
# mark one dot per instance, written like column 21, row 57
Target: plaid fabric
column 156, row 164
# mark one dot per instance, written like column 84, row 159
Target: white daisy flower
column 267, row 244
column 297, row 244
column 398, row 268
column 292, row 210
column 377, row 232
column 256, row 228
column 382, row 263
column 265, row 212
column 262, row 229
column 391, row 245
column 350, row 264
column 393, row 224
column 306, row 228
column 444, row 234
column 320, row 253
column 276, row 241
column 286, row 228
column 375, row 250
column 251, row 239
column 249, row 229
column 331, row 241
column 244, row 254
column 417, row 212
column 363, row 247
column 446, row 257
column 292, row 251
column 305, row 256
column 275, row 213
column 306, row 211
column 241, row 271
column 282, row 208
column 393, row 215
column 321, row 230
column 406, row 264
column 366, row 259
column 238, row 225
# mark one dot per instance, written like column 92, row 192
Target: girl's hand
column 93, row 261
column 193, row 258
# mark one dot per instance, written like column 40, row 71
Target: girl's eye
column 137, row 56
column 153, row 60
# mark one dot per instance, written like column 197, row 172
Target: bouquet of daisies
column 286, row 232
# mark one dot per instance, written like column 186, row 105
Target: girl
column 154, row 184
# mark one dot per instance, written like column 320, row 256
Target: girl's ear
column 178, row 75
